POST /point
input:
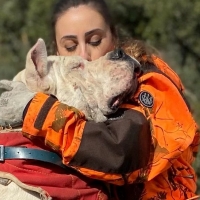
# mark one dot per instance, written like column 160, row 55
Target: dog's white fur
column 88, row 86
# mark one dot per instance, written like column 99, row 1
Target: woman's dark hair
column 62, row 6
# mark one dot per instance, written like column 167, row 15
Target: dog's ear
column 36, row 67
column 36, row 60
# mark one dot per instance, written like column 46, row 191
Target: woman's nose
column 85, row 54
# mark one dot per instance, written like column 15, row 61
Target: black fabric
column 116, row 146
column 26, row 109
column 44, row 112
column 128, row 192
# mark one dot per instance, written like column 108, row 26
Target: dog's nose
column 117, row 54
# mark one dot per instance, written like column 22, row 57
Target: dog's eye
column 78, row 66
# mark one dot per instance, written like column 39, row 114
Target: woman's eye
column 71, row 48
column 95, row 43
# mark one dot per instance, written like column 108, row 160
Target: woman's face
column 82, row 31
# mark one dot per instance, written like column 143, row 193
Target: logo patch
column 146, row 99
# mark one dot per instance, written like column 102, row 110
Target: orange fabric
column 66, row 144
column 175, row 139
column 164, row 67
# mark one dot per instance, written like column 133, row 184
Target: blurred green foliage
column 172, row 27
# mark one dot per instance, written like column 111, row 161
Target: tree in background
column 172, row 27
column 22, row 22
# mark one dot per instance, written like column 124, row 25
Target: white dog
column 97, row 88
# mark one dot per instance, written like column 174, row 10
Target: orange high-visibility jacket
column 150, row 142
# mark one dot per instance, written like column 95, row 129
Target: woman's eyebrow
column 86, row 34
column 69, row 37
column 93, row 31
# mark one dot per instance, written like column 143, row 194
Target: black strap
column 10, row 153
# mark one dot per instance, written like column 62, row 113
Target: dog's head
column 97, row 87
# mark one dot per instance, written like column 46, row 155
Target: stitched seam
column 29, row 169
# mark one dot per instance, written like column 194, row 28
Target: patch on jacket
column 146, row 99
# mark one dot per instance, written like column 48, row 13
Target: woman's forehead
column 80, row 19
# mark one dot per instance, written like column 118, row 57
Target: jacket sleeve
column 108, row 151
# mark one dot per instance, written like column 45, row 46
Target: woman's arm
column 144, row 142
column 107, row 151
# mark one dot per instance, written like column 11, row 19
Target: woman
column 75, row 32
column 146, row 151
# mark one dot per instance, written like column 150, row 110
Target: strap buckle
column 1, row 152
